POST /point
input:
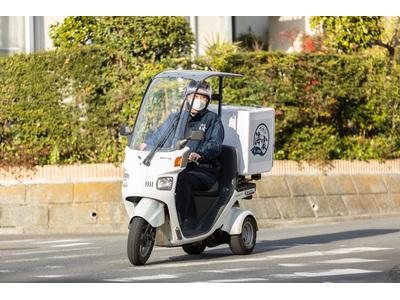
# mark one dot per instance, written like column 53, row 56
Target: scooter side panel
column 234, row 220
column 150, row 210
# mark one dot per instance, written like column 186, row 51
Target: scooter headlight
column 125, row 179
column 165, row 183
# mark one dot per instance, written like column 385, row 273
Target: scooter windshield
column 160, row 115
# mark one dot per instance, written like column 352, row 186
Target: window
column 12, row 35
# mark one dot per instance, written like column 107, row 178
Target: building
column 277, row 32
column 25, row 34
column 31, row 33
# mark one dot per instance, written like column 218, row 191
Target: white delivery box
column 251, row 131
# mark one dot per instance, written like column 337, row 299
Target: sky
column 200, row 8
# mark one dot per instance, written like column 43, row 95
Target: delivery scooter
column 150, row 175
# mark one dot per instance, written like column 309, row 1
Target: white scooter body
column 158, row 208
column 214, row 215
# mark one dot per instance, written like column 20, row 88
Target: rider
column 203, row 167
column 202, row 173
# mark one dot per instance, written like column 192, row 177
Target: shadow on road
column 271, row 245
column 265, row 246
column 322, row 238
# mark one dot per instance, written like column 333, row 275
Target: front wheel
column 245, row 242
column 141, row 240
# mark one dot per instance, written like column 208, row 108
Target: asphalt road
column 352, row 251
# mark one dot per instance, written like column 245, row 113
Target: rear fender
column 234, row 220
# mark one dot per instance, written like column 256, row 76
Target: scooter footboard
column 234, row 220
column 151, row 210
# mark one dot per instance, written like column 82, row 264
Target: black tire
column 194, row 249
column 141, row 240
column 245, row 242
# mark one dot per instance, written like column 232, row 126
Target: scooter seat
column 212, row 192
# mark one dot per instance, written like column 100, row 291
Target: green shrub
column 144, row 37
column 349, row 33
column 345, row 96
column 65, row 106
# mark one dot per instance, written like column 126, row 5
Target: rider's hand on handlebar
column 142, row 146
column 194, row 156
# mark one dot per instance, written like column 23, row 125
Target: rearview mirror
column 125, row 130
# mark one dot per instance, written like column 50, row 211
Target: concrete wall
column 62, row 207
column 87, row 198
column 280, row 199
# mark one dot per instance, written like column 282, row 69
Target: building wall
column 26, row 34
column 211, row 30
column 283, row 31
column 48, row 21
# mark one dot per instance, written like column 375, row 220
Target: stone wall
column 304, row 197
column 87, row 198
column 62, row 208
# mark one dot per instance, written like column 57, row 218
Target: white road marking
column 152, row 277
column 329, row 252
column 348, row 261
column 52, row 276
column 307, row 245
column 237, row 280
column 51, row 257
column 263, row 258
column 74, row 256
column 356, row 250
column 275, row 247
column 20, row 260
column 17, row 241
column 57, row 241
column 199, row 263
column 53, row 251
column 333, row 272
column 53, row 267
column 230, row 270
column 70, row 245
column 5, row 271
column 293, row 265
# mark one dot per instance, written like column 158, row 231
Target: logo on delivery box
column 261, row 140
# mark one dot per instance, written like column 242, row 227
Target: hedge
column 65, row 106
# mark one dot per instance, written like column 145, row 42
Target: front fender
column 234, row 220
column 150, row 210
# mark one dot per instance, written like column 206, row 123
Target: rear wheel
column 141, row 240
column 194, row 249
column 245, row 242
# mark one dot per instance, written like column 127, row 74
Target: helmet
column 204, row 89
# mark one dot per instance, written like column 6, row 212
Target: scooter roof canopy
column 194, row 75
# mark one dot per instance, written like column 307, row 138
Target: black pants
column 187, row 182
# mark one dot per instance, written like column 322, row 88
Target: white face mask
column 198, row 104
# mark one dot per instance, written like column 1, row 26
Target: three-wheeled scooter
column 150, row 175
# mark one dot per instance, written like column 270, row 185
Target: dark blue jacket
column 209, row 148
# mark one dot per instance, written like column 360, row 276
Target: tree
column 390, row 39
column 146, row 37
column 349, row 34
